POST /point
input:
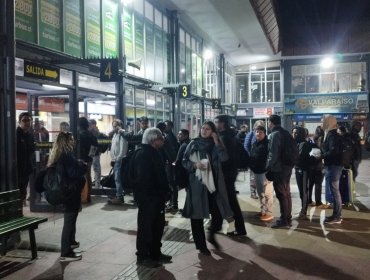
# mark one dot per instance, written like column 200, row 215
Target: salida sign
column 42, row 72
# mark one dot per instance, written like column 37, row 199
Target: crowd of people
column 205, row 166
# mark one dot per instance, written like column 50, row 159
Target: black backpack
column 241, row 156
column 55, row 185
column 347, row 151
column 128, row 170
column 289, row 149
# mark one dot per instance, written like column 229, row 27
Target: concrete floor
column 309, row 250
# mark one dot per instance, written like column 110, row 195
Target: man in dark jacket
column 302, row 168
column 181, row 174
column 230, row 172
column 25, row 150
column 332, row 155
column 87, row 145
column 279, row 173
column 169, row 153
column 151, row 192
column 258, row 158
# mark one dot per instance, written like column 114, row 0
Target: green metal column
column 8, row 170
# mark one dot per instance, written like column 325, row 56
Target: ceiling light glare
column 208, row 54
column 327, row 62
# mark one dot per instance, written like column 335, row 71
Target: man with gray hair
column 151, row 193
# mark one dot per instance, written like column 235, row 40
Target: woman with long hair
column 206, row 193
column 73, row 173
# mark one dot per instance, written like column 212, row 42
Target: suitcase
column 346, row 186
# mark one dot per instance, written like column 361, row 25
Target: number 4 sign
column 109, row 70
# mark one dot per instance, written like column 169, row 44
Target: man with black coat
column 279, row 173
column 357, row 147
column 25, row 150
column 87, row 145
column 151, row 192
column 230, row 172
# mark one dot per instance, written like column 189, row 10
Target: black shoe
column 280, row 224
column 164, row 258
column 211, row 239
column 205, row 252
column 72, row 257
column 75, row 245
column 149, row 263
column 236, row 233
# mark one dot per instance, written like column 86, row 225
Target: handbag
column 108, row 180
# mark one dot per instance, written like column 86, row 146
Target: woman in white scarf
column 206, row 193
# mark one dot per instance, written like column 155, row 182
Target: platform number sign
column 185, row 91
column 216, row 103
column 109, row 70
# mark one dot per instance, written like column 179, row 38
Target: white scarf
column 205, row 176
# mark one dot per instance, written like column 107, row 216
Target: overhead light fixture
column 182, row 70
column 208, row 54
column 253, row 67
column 327, row 62
column 49, row 87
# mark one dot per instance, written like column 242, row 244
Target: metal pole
column 222, row 81
column 120, row 99
column 8, row 162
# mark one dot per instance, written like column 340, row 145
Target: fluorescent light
column 208, row 54
column 327, row 62
column 253, row 67
column 53, row 87
column 150, row 102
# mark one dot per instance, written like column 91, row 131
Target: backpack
column 241, row 156
column 289, row 149
column 127, row 171
column 347, row 151
column 103, row 143
column 55, row 185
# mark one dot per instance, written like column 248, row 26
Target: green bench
column 12, row 220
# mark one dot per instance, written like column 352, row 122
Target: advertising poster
column 92, row 29
column 72, row 29
column 139, row 37
column 25, row 20
column 128, row 34
column 326, row 103
column 50, row 31
column 110, row 28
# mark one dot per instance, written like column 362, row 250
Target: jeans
column 252, row 183
column 97, row 170
column 332, row 177
column 282, row 190
column 265, row 193
column 68, row 233
column 302, row 183
column 118, row 178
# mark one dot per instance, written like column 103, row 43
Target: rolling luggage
column 346, row 186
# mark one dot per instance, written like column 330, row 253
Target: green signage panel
column 25, row 20
column 110, row 28
column 92, row 28
column 72, row 28
column 42, row 72
column 50, row 23
column 216, row 103
column 109, row 70
column 185, row 91
column 139, row 37
column 128, row 35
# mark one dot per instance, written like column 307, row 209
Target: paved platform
column 309, row 250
